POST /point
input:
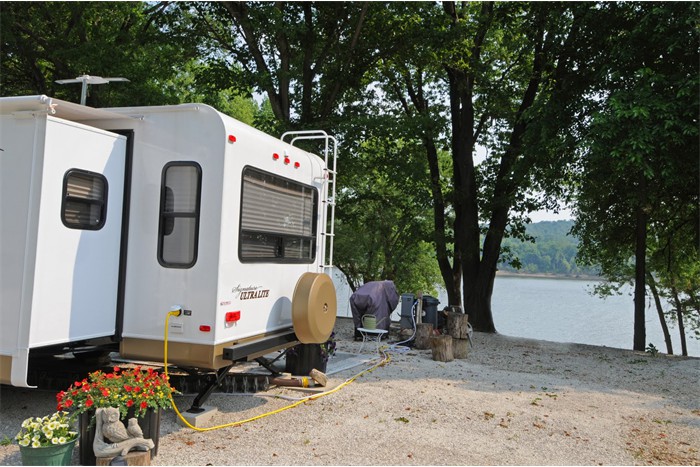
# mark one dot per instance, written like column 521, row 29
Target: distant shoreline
column 579, row 277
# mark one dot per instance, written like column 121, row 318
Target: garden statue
column 112, row 438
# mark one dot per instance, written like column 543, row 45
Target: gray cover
column 378, row 298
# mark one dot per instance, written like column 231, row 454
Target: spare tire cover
column 314, row 308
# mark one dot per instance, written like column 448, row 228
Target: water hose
column 385, row 359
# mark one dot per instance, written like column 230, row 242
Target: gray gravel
column 512, row 402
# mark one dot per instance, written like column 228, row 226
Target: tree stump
column 442, row 348
column 458, row 325
column 460, row 348
column 132, row 458
column 424, row 331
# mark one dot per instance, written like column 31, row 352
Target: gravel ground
column 512, row 402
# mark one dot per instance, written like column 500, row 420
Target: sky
column 563, row 215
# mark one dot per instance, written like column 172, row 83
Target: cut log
column 424, row 331
column 460, row 348
column 458, row 325
column 132, row 458
column 320, row 378
column 442, row 348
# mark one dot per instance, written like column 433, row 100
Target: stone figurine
column 112, row 438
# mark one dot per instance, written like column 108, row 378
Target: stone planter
column 149, row 423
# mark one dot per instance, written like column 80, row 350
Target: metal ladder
column 328, row 192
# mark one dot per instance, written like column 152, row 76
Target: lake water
column 563, row 310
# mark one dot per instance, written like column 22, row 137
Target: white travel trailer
column 111, row 218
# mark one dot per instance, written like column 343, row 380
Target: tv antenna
column 87, row 79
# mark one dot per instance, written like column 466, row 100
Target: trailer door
column 78, row 240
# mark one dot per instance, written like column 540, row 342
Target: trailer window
column 178, row 231
column 84, row 203
column 278, row 219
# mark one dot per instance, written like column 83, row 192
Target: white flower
column 26, row 423
column 62, row 440
column 24, row 442
column 53, row 425
column 36, row 444
column 55, row 441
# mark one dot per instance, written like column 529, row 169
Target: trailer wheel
column 314, row 308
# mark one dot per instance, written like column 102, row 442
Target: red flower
column 131, row 388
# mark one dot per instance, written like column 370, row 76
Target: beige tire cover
column 314, row 308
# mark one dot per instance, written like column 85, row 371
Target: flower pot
column 303, row 358
column 60, row 454
column 149, row 423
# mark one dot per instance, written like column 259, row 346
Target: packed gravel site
column 513, row 401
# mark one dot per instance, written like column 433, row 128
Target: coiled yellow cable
column 386, row 359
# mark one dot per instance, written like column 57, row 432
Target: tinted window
column 84, row 200
column 278, row 219
column 179, row 214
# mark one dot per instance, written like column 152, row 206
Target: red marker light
column 231, row 139
column 286, row 160
column 233, row 316
column 205, row 328
column 297, row 165
column 275, row 156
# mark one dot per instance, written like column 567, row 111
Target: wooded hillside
column 552, row 251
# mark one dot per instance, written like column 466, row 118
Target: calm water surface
column 563, row 310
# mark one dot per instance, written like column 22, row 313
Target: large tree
column 639, row 192
column 508, row 71
column 302, row 56
column 46, row 41
column 384, row 227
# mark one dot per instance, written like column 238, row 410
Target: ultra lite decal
column 250, row 292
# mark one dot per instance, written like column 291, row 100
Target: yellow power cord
column 384, row 361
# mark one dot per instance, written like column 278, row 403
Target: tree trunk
column 451, row 273
column 424, row 332
column 478, row 303
column 457, row 325
column 660, row 311
column 441, row 347
column 460, row 348
column 681, row 326
column 463, row 140
column 640, row 257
